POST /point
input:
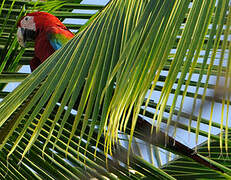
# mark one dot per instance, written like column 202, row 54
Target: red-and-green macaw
column 46, row 30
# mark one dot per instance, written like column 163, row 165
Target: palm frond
column 182, row 168
column 71, row 109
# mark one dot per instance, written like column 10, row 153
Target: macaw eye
column 28, row 23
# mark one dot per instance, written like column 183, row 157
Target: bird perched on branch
column 48, row 32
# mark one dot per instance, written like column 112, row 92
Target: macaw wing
column 58, row 36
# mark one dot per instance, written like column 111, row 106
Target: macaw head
column 34, row 23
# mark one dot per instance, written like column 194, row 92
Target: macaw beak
column 25, row 35
column 20, row 36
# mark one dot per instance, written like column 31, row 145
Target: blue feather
column 55, row 44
